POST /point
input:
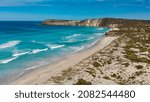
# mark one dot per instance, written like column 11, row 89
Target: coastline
column 125, row 61
column 42, row 74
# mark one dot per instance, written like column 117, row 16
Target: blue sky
column 38, row 10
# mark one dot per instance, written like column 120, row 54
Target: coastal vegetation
column 82, row 82
column 125, row 61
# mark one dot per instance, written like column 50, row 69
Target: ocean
column 29, row 45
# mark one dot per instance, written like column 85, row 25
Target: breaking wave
column 38, row 50
column 9, row 44
column 20, row 54
column 55, row 46
column 101, row 28
column 74, row 35
column 7, row 60
column 76, row 40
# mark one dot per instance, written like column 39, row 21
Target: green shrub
column 107, row 77
column 82, row 82
column 96, row 64
column 139, row 66
column 126, row 64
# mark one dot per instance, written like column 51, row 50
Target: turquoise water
column 28, row 45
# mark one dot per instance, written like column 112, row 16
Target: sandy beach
column 119, row 58
column 41, row 75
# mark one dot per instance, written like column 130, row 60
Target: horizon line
column 78, row 19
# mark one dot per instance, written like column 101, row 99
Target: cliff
column 103, row 22
column 61, row 22
column 89, row 22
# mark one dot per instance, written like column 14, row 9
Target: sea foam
column 7, row 60
column 80, row 40
column 55, row 46
column 20, row 54
column 77, row 49
column 74, row 35
column 9, row 44
column 38, row 50
column 101, row 28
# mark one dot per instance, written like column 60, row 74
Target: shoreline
column 43, row 73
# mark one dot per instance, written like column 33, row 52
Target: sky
column 38, row 10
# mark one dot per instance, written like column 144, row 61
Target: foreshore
column 41, row 75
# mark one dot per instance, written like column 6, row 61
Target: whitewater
column 28, row 45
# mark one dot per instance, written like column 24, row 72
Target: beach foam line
column 77, row 49
column 90, row 38
column 20, row 74
column 38, row 50
column 34, row 67
column 93, row 43
column 7, row 60
column 9, row 44
column 30, row 68
column 99, row 34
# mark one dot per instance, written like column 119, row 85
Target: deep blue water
column 27, row 45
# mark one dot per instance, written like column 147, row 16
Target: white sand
column 41, row 75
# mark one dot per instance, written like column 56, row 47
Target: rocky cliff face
column 104, row 22
column 61, row 22
column 88, row 22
